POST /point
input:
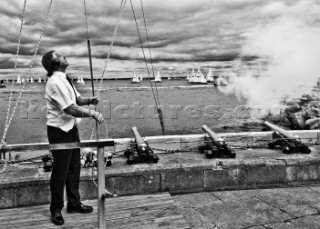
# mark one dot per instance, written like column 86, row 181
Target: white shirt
column 59, row 95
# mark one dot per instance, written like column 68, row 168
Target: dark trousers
column 65, row 169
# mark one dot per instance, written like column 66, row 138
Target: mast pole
column 100, row 150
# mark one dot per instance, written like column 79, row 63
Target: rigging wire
column 157, row 101
column 9, row 120
column 158, row 108
column 148, row 40
column 122, row 5
column 30, row 67
column 15, row 65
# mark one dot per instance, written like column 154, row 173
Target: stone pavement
column 279, row 208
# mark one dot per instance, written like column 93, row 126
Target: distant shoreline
column 107, row 79
column 114, row 88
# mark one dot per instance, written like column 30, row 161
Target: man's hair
column 48, row 62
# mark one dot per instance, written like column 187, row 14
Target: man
column 63, row 114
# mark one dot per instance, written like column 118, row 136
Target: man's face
column 63, row 60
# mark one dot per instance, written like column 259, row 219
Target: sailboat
column 31, row 80
column 209, row 76
column 80, row 80
column 191, row 76
column 198, row 77
column 18, row 79
column 157, row 78
column 39, row 80
column 135, row 78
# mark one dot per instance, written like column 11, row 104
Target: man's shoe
column 79, row 208
column 57, row 218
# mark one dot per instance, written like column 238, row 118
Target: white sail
column 198, row 77
column 82, row 81
column 209, row 76
column 192, row 76
column 140, row 78
column 158, row 77
column 39, row 80
column 31, row 80
column 135, row 78
column 18, row 79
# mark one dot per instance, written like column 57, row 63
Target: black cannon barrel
column 137, row 136
column 280, row 130
column 212, row 134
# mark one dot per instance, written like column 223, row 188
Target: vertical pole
column 101, row 189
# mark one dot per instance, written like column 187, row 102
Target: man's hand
column 94, row 100
column 98, row 116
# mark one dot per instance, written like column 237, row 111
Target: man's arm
column 87, row 101
column 80, row 112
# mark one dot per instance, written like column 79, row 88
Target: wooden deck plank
column 110, row 214
column 157, row 218
column 122, row 209
column 148, row 220
column 143, row 211
column 111, row 203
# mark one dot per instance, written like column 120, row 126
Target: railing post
column 101, row 188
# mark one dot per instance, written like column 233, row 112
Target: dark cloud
column 204, row 30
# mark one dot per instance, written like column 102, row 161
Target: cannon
column 140, row 151
column 215, row 146
column 286, row 141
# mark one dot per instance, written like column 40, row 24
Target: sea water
column 185, row 109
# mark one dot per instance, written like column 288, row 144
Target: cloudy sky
column 182, row 34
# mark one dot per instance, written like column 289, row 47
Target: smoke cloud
column 291, row 46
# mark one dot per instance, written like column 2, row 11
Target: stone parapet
column 183, row 172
